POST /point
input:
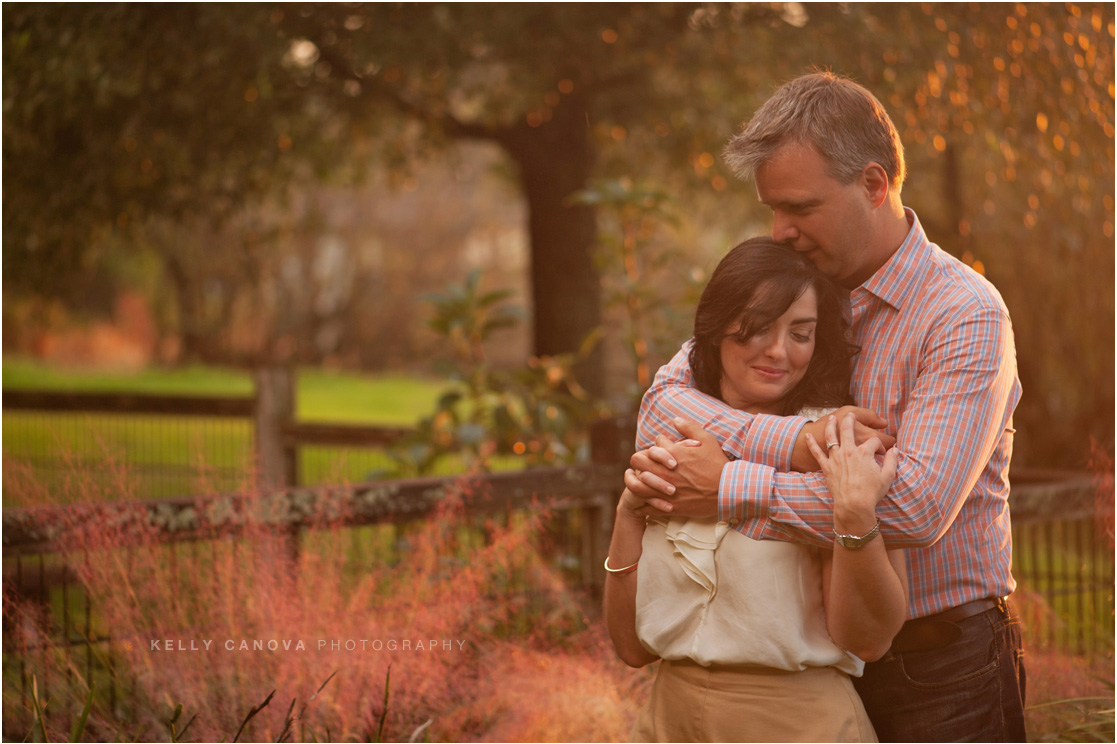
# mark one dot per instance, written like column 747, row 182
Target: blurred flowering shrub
column 483, row 639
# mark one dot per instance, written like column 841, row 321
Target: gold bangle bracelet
column 619, row 571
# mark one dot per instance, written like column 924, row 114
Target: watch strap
column 856, row 542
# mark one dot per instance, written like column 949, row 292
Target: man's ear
column 875, row 183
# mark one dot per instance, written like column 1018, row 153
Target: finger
column 812, row 445
column 891, row 462
column 636, row 486
column 831, row 431
column 865, row 416
column 865, row 434
column 848, row 438
column 651, row 480
column 662, row 456
column 870, row 438
column 655, row 507
column 693, row 430
column 663, row 440
column 641, row 490
column 642, row 460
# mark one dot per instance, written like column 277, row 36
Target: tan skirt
column 694, row 703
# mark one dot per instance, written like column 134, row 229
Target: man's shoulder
column 950, row 284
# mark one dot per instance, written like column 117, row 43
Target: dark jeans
column 969, row 690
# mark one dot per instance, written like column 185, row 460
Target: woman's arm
column 625, row 550
column 864, row 589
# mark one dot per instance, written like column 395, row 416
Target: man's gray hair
column 840, row 119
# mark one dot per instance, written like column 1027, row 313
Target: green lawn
column 322, row 396
column 172, row 456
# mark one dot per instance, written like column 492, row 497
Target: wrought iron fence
column 1062, row 539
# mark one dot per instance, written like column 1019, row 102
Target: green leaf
column 79, row 724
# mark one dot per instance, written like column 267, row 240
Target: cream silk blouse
column 707, row 593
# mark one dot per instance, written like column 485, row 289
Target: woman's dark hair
column 755, row 284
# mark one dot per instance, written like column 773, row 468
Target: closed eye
column 797, row 208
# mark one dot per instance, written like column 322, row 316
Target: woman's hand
column 867, row 425
column 630, row 507
column 625, row 549
column 855, row 480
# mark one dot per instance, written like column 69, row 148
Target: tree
column 113, row 113
column 168, row 118
column 116, row 112
column 547, row 83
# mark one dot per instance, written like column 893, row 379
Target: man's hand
column 865, row 427
column 679, row 477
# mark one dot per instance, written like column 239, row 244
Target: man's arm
column 689, row 476
column 956, row 415
column 768, row 440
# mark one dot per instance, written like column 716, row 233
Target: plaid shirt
column 937, row 361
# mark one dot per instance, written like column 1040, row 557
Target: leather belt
column 936, row 631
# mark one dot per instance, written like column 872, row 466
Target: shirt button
column 849, row 335
column 734, row 522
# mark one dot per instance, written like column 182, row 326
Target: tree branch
column 379, row 90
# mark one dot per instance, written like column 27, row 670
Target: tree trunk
column 194, row 345
column 555, row 160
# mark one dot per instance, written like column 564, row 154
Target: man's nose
column 783, row 229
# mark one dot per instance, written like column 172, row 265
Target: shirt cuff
column 744, row 493
column 772, row 440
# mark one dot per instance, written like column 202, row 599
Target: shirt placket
column 860, row 302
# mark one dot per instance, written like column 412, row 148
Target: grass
column 514, row 683
column 1070, row 565
column 173, row 456
column 517, row 657
column 28, row 374
column 390, row 400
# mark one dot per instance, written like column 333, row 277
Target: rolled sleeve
column 745, row 514
column 772, row 440
column 769, row 440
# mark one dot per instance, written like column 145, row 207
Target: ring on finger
column 829, row 445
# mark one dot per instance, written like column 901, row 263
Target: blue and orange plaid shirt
column 938, row 362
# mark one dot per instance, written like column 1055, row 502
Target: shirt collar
column 899, row 277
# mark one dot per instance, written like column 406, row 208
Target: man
column 936, row 360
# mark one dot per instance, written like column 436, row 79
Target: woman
column 759, row 639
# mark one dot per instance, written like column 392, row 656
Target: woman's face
column 759, row 372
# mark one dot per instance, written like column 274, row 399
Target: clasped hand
column 867, row 427
column 855, row 480
column 679, row 477
column 682, row 476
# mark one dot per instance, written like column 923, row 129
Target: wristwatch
column 855, row 542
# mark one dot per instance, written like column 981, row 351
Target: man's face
column 817, row 215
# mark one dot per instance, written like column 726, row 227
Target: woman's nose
column 775, row 348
